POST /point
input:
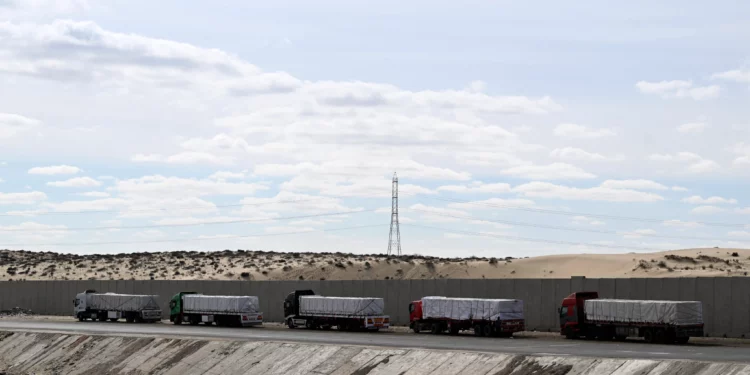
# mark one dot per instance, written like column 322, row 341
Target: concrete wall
column 726, row 300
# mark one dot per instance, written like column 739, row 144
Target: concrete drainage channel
column 56, row 353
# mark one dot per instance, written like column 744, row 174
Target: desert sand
column 262, row 265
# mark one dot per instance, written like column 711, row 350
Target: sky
column 515, row 128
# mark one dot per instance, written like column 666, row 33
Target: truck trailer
column 229, row 311
column 583, row 314
column 112, row 306
column 486, row 317
column 302, row 308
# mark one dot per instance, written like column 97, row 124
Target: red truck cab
column 415, row 312
column 572, row 314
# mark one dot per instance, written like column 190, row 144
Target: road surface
column 527, row 345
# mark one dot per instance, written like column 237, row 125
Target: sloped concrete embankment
column 50, row 353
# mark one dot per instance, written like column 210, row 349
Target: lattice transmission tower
column 394, row 238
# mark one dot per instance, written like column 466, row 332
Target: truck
column 584, row 314
column 113, row 306
column 486, row 317
column 303, row 308
column 229, row 311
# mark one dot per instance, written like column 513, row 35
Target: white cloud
column 745, row 210
column 477, row 187
column 739, row 233
column 580, row 131
column 585, row 220
column 681, row 224
column 95, row 194
column 150, row 233
column 633, row 184
column 707, row 210
column 736, row 75
column 189, row 157
column 55, row 170
column 226, row 175
column 696, row 163
column 679, row 188
column 22, row 198
column 11, row 124
column 743, row 153
column 678, row 89
column 554, row 171
column 577, row 154
column 639, row 233
column 492, row 204
column 697, row 199
column 453, row 236
column 599, row 193
column 76, row 182
column 349, row 168
column 692, row 127
column 160, row 186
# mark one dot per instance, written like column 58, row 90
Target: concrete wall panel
column 723, row 306
column 404, row 298
column 670, row 289
column 653, row 289
column 548, row 307
column 391, row 299
column 607, row 288
column 638, row 289
column 430, row 288
column 740, row 307
column 704, row 288
column 622, row 288
column 590, row 285
column 688, row 289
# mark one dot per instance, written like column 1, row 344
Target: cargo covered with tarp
column 219, row 304
column 652, row 312
column 121, row 302
column 471, row 308
column 340, row 306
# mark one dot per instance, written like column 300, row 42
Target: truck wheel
column 682, row 340
column 648, row 336
column 621, row 338
column 478, row 330
column 208, row 323
column 487, row 330
column 415, row 327
column 436, row 329
column 112, row 319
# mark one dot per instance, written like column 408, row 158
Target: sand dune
column 260, row 265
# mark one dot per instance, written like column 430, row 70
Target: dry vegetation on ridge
column 266, row 265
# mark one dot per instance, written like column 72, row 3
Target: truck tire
column 414, row 327
column 477, row 330
column 487, row 330
column 112, row 319
column 437, row 329
column 682, row 340
column 290, row 323
column 621, row 338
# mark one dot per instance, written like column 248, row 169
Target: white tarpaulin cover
column 121, row 302
column 340, row 306
column 634, row 311
column 224, row 304
column 471, row 308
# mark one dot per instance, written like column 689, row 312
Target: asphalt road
column 526, row 345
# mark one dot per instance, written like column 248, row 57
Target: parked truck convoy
column 302, row 308
column 229, row 311
column 112, row 306
column 486, row 317
column 583, row 314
